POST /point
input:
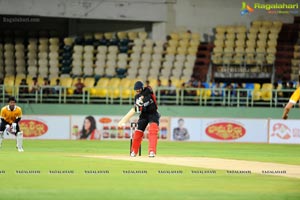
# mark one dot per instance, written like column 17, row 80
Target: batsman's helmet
column 138, row 85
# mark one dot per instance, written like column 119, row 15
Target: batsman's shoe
column 132, row 154
column 151, row 154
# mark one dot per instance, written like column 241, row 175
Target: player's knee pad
column 153, row 128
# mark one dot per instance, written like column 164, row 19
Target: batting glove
column 137, row 109
column 139, row 101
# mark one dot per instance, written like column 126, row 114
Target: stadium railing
column 182, row 96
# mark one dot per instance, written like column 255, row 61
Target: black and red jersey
column 149, row 100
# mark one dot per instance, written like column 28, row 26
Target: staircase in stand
column 202, row 62
column 287, row 40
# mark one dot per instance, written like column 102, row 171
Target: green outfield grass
column 113, row 183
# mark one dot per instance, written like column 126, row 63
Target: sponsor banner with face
column 185, row 129
column 100, row 127
column 284, row 131
column 235, row 130
column 44, row 127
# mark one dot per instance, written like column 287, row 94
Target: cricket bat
column 126, row 118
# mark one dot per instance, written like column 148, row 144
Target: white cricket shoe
column 151, row 154
column 20, row 149
column 132, row 154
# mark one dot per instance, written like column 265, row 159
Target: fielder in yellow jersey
column 10, row 116
column 293, row 100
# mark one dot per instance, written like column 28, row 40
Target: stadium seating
column 142, row 57
column 237, row 46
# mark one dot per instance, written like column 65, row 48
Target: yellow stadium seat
column 100, row 88
column 277, row 24
column 192, row 50
column 122, row 35
column 108, row 87
column 220, row 36
column 98, row 36
column 29, row 80
column 174, row 36
column 176, row 82
column 113, row 87
column 125, row 83
column 108, row 35
column 153, row 82
column 256, row 23
column 256, row 93
column 164, row 81
column 266, row 91
column 270, row 58
column 196, row 36
column 182, row 50
column 132, row 35
column 102, row 92
column 184, row 43
column 266, row 95
column 173, row 43
column 125, row 92
column 89, row 83
column 171, row 50
column 40, row 80
column 220, row 29
column 103, row 82
column 204, row 93
column 19, row 78
column 194, row 43
column 257, row 86
column 185, row 35
column 68, row 41
column 67, row 82
column 142, row 35
column 272, row 43
column 53, row 80
column 9, row 82
column 266, row 24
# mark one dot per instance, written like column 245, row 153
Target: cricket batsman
column 146, row 106
column 10, row 116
